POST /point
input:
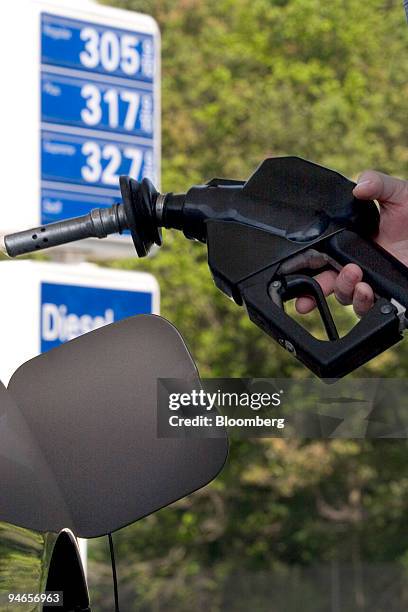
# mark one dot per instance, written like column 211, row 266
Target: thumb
column 373, row 185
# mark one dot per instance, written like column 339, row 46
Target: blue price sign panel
column 80, row 160
column 67, row 311
column 93, row 47
column 82, row 103
column 99, row 113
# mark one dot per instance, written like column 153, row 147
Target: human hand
column 347, row 285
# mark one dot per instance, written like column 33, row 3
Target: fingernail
column 363, row 183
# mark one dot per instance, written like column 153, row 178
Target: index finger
column 326, row 280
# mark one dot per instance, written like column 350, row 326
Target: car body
column 32, row 563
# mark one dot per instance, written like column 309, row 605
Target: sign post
column 80, row 107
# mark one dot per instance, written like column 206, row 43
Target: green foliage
column 244, row 79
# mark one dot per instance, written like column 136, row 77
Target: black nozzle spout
column 143, row 212
column 99, row 223
column 136, row 213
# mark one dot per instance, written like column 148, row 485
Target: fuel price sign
column 99, row 110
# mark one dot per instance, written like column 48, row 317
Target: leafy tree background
column 243, row 80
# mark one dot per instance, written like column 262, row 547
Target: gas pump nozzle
column 266, row 238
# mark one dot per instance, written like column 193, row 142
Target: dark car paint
column 33, row 562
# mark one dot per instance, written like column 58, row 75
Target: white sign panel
column 46, row 304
